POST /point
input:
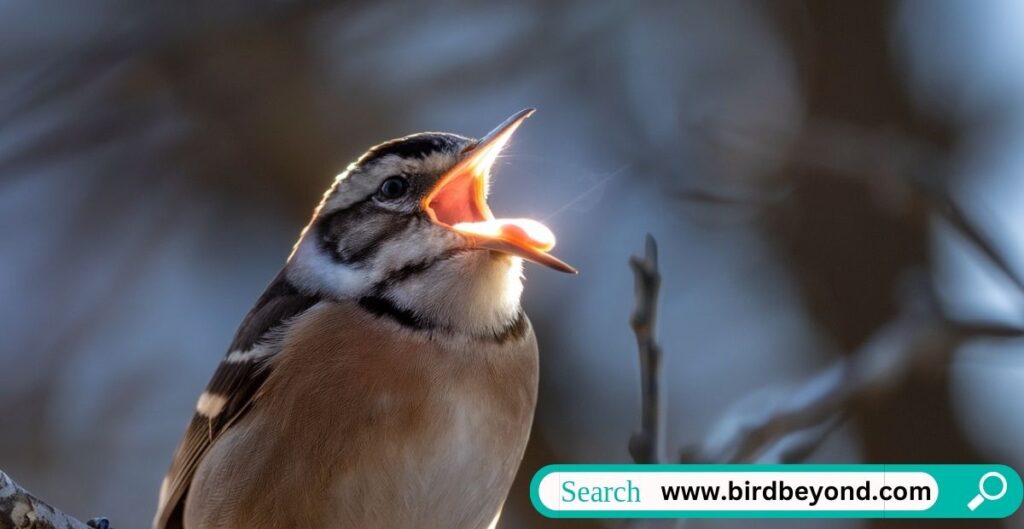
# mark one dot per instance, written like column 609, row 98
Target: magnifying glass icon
column 982, row 495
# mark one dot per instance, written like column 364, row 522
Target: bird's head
column 407, row 226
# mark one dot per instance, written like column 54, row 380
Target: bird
column 387, row 376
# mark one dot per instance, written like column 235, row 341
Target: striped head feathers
column 407, row 232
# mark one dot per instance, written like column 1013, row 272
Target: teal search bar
column 776, row 491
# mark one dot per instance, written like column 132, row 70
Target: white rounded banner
column 618, row 491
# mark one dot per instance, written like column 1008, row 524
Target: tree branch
column 919, row 339
column 21, row 510
column 648, row 445
column 821, row 401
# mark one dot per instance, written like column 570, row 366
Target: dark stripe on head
column 415, row 146
column 331, row 229
column 381, row 232
column 354, row 235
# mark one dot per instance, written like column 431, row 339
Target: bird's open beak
column 459, row 202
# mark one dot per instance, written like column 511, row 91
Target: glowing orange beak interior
column 459, row 202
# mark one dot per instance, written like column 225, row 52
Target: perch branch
column 647, row 445
column 21, row 510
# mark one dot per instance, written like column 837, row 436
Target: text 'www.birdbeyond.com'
column 776, row 490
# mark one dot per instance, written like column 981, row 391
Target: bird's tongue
column 526, row 233
column 526, row 238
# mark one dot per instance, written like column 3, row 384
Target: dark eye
column 394, row 187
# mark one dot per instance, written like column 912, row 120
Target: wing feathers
column 230, row 392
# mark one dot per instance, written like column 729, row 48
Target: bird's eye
column 393, row 188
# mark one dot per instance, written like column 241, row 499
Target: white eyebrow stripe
column 258, row 352
column 210, row 404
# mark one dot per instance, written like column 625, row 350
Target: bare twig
column 799, row 446
column 906, row 171
column 949, row 209
column 895, row 164
column 21, row 510
column 882, row 361
column 648, row 445
column 914, row 341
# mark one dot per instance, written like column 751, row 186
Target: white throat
column 476, row 292
column 470, row 292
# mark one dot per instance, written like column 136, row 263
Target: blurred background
column 817, row 174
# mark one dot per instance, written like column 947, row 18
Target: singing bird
column 387, row 377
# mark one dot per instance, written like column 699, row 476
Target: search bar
column 777, row 491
